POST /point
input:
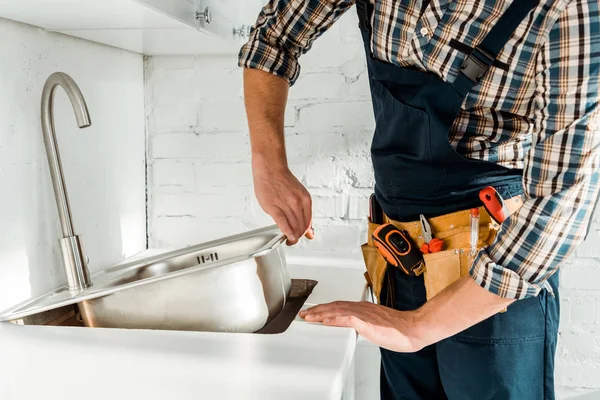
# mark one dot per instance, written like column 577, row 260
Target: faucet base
column 75, row 261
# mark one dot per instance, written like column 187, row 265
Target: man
column 466, row 94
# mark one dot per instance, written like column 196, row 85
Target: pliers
column 432, row 244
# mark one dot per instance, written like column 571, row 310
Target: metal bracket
column 476, row 65
column 243, row 31
column 420, row 269
column 204, row 15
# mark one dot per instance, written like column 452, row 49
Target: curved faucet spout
column 71, row 247
column 83, row 120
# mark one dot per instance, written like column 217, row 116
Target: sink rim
column 105, row 277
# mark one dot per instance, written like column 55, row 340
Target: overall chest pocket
column 400, row 128
column 402, row 144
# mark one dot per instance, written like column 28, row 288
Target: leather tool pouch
column 375, row 263
column 442, row 268
column 445, row 267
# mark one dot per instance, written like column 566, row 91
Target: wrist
column 418, row 329
column 270, row 162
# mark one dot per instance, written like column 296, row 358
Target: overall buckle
column 476, row 64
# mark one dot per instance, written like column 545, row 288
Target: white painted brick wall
column 200, row 182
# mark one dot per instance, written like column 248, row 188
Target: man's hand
column 284, row 198
column 458, row 307
column 277, row 190
column 383, row 326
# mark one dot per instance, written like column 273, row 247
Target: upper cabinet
column 152, row 27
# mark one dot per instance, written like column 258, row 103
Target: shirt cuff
column 257, row 54
column 501, row 281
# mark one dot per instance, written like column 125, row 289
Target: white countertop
column 307, row 361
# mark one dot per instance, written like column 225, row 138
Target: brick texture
column 200, row 182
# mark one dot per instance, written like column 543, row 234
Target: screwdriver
column 494, row 204
column 474, row 231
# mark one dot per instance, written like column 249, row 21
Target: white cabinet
column 153, row 27
column 183, row 11
column 230, row 18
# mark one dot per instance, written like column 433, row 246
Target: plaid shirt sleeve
column 286, row 29
column 561, row 174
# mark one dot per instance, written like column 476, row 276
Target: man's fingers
column 341, row 321
column 339, row 313
column 327, row 306
column 315, row 309
column 284, row 192
column 347, row 321
column 294, row 223
column 324, row 311
column 310, row 233
column 332, row 314
column 307, row 215
column 295, row 206
column 287, row 222
column 327, row 314
column 281, row 220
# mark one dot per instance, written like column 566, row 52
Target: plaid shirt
column 536, row 109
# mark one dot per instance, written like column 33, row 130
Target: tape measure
column 396, row 247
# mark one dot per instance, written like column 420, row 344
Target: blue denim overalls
column 510, row 355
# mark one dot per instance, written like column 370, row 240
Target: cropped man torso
column 529, row 123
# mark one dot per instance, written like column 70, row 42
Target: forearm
column 278, row 191
column 265, row 100
column 284, row 30
column 460, row 306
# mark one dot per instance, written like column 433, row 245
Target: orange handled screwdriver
column 494, row 204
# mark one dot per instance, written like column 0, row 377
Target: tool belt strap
column 448, row 224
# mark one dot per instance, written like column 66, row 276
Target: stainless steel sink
column 191, row 290
column 301, row 290
column 236, row 284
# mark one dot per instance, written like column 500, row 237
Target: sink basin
column 301, row 290
column 236, row 284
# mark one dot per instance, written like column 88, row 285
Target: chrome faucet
column 71, row 247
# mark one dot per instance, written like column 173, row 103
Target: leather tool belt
column 444, row 267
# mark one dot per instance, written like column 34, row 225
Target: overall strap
column 482, row 57
column 364, row 8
